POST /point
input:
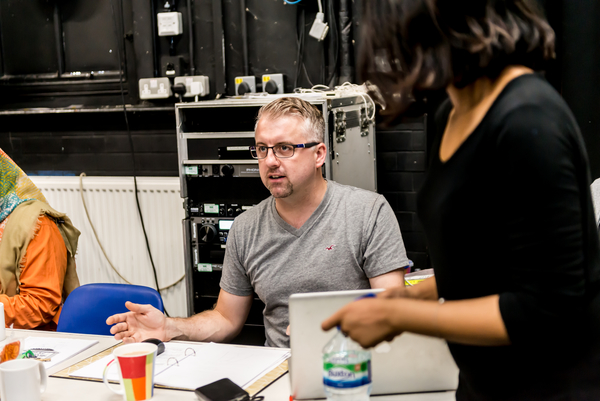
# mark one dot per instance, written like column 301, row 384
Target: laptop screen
column 411, row 363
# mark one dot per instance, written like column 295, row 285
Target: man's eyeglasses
column 282, row 151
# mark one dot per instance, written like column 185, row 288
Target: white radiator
column 112, row 208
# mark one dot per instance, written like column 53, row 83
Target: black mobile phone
column 222, row 390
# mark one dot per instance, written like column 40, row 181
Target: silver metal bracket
column 340, row 126
column 364, row 122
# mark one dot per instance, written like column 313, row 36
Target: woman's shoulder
column 532, row 120
column 530, row 93
column 530, row 104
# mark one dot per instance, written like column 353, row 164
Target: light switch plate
column 169, row 23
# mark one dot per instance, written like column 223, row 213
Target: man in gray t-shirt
column 310, row 235
column 351, row 237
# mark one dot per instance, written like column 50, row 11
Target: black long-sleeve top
column 510, row 213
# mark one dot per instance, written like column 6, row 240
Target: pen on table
column 27, row 354
column 30, row 354
column 369, row 295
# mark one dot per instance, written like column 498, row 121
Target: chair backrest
column 88, row 306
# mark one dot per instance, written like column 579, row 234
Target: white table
column 63, row 389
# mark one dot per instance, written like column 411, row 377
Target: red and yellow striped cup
column 136, row 366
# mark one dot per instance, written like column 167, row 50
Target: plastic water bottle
column 346, row 370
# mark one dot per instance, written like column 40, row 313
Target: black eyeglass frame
column 294, row 147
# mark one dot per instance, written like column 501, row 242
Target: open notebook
column 188, row 366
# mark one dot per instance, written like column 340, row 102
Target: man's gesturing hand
column 142, row 322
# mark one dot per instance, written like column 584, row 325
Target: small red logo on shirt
column 330, row 247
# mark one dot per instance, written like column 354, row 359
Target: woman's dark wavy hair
column 414, row 45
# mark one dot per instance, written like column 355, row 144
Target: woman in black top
column 506, row 205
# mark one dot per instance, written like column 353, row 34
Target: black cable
column 137, row 200
column 334, row 31
column 323, row 55
column 306, row 75
column 345, row 30
column 299, row 42
column 302, row 39
column 172, row 46
column 302, row 33
column 58, row 34
column 154, row 29
column 172, row 8
column 302, row 65
column 244, row 30
column 191, row 38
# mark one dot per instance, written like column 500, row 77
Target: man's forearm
column 205, row 326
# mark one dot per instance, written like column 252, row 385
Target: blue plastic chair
column 86, row 309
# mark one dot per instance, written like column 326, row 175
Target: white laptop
column 411, row 363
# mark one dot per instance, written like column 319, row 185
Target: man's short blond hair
column 314, row 125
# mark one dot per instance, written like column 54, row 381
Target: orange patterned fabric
column 10, row 351
column 15, row 186
column 38, row 303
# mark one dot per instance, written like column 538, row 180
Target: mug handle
column 44, row 377
column 105, row 373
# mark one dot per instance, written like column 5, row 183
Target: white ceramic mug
column 22, row 380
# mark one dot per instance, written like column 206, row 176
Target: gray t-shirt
column 352, row 236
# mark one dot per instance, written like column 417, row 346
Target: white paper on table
column 179, row 367
column 96, row 369
column 163, row 361
column 242, row 365
column 62, row 348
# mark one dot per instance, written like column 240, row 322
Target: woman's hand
column 366, row 321
column 369, row 321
